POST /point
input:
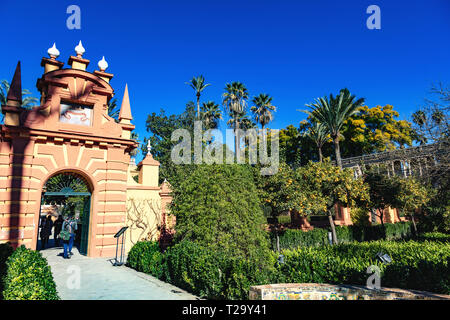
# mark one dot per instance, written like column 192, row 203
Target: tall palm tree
column 211, row 114
column 198, row 84
column 333, row 113
column 262, row 109
column 319, row 134
column 235, row 101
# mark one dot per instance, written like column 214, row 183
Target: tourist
column 58, row 226
column 69, row 225
column 46, row 230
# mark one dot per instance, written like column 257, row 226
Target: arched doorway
column 66, row 194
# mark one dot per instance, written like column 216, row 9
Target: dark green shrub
column 415, row 265
column 217, row 206
column 213, row 274
column 294, row 238
column 145, row 256
column 5, row 251
column 28, row 277
column 195, row 269
column 434, row 236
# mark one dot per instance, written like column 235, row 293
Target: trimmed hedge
column 294, row 238
column 5, row 252
column 434, row 236
column 415, row 265
column 212, row 274
column 28, row 277
column 145, row 256
column 215, row 275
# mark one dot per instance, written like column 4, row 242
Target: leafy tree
column 211, row 114
column 383, row 191
column 217, row 206
column 292, row 146
column 324, row 186
column 333, row 113
column 235, row 101
column 281, row 191
column 375, row 129
column 262, row 109
column 412, row 195
column 161, row 126
column 28, row 101
column 198, row 84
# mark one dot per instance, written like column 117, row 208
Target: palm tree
column 27, row 102
column 211, row 113
column 113, row 109
column 333, row 113
column 234, row 99
column 319, row 134
column 198, row 84
column 262, row 110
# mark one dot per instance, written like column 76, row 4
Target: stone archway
column 69, row 192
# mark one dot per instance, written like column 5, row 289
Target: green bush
column 28, row 277
column 145, row 256
column 434, row 236
column 217, row 207
column 5, row 251
column 415, row 265
column 212, row 274
column 294, row 238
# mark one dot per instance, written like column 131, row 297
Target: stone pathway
column 99, row 280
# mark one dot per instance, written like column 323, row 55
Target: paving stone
column 100, row 280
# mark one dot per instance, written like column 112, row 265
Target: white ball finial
column 149, row 146
column 53, row 52
column 102, row 64
column 79, row 49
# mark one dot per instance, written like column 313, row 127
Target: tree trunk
column 198, row 106
column 236, row 139
column 414, row 224
column 333, row 227
column 337, row 151
column 320, row 154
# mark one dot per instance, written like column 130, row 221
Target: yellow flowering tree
column 375, row 129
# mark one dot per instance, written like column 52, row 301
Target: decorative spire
column 102, row 64
column 15, row 90
column 53, row 52
column 149, row 146
column 79, row 49
column 125, row 109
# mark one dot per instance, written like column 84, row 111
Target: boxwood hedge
column 415, row 265
column 292, row 238
column 28, row 277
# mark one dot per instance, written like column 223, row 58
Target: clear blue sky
column 292, row 50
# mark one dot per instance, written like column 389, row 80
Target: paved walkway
column 99, row 280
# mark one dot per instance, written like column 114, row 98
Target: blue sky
column 293, row 50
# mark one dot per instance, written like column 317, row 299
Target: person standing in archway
column 46, row 230
column 69, row 227
column 58, row 227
